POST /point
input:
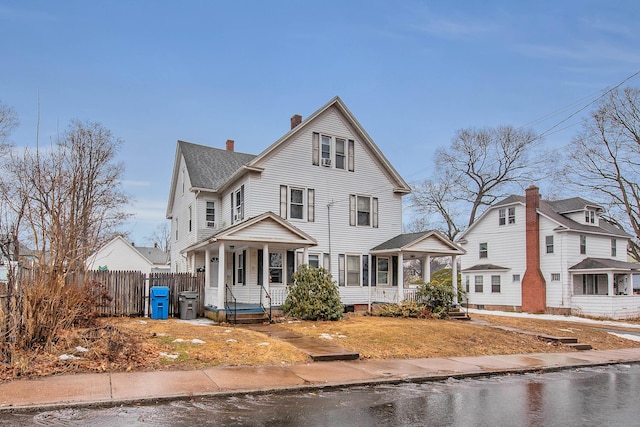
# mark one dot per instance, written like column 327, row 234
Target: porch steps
column 457, row 314
column 248, row 317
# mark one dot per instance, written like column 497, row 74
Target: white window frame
column 240, row 273
column 511, row 215
column 379, row 282
column 496, row 286
column 483, row 252
column 301, row 205
column 555, row 277
column 502, row 216
column 516, row 278
column 177, row 225
column 549, row 244
column 478, row 283
column 350, row 273
column 614, row 247
column 238, row 208
column 273, row 256
column 190, row 211
column 325, row 152
column 583, row 244
column 354, row 211
column 315, row 259
column 210, row 212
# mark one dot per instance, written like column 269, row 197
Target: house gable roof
column 486, row 267
column 152, row 254
column 556, row 211
column 265, row 228
column 400, row 185
column 428, row 242
column 208, row 167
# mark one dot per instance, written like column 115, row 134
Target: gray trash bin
column 188, row 307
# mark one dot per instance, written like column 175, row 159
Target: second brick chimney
column 230, row 145
column 296, row 119
column 534, row 287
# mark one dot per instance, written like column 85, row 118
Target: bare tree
column 73, row 195
column 478, row 168
column 8, row 122
column 161, row 237
column 605, row 159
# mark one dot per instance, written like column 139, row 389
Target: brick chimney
column 534, row 287
column 296, row 119
column 230, row 144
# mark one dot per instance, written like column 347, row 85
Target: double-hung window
column 512, row 215
column 211, row 214
column 237, row 205
column 383, row 271
column 478, row 284
column 614, row 249
column 363, row 211
column 297, row 203
column 549, row 244
column 353, row 270
column 333, row 152
column 502, row 216
column 495, row 284
column 484, row 250
column 275, row 267
column 583, row 244
column 190, row 220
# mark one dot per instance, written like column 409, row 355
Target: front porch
column 603, row 288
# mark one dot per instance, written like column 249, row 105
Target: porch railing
column 265, row 298
column 230, row 298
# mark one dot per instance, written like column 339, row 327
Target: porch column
column 207, row 269
column 221, row 267
column 400, row 277
column 193, row 262
column 610, row 286
column 266, row 280
column 305, row 255
column 454, row 277
column 426, row 269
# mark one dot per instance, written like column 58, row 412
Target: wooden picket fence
column 126, row 293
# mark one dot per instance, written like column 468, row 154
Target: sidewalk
column 132, row 387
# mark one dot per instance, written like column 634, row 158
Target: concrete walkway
column 133, row 387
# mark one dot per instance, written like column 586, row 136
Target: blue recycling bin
column 159, row 302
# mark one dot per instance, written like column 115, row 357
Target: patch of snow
column 232, row 340
column 143, row 322
column 169, row 356
column 631, row 337
column 262, row 344
column 326, row 336
column 556, row 317
column 81, row 349
column 227, row 331
column 178, row 340
column 68, row 357
column 342, row 336
column 197, row 341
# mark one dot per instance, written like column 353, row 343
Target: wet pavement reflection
column 580, row 397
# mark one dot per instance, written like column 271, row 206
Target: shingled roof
column 211, row 167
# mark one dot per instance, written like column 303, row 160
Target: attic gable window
column 590, row 217
column 333, row 152
column 507, row 216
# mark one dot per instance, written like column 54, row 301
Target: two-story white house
column 322, row 195
column 533, row 255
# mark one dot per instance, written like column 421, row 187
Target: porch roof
column 486, row 267
column 588, row 264
column 429, row 242
column 267, row 228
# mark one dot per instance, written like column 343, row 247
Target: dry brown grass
column 139, row 344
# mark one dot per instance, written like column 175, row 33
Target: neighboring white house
column 119, row 255
column 322, row 195
column 533, row 255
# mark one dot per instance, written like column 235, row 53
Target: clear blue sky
column 412, row 72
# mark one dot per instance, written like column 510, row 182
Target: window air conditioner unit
column 326, row 162
column 236, row 217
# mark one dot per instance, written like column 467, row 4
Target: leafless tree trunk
column 161, row 237
column 605, row 159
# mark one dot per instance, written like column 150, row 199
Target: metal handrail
column 235, row 303
column 267, row 296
